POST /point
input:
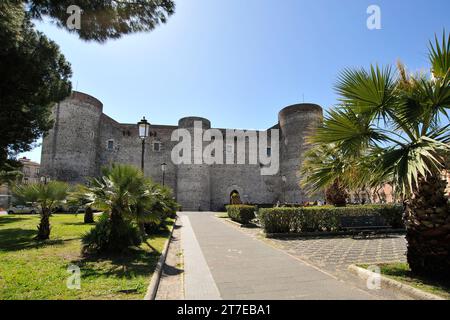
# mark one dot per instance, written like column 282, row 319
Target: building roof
column 26, row 161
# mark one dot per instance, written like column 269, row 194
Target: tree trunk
column 88, row 215
column 44, row 225
column 142, row 231
column 336, row 194
column 116, row 234
column 427, row 218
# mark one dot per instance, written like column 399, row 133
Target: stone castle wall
column 84, row 140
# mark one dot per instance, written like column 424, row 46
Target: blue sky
column 238, row 63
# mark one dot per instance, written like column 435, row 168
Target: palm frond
column 351, row 131
column 416, row 160
column 439, row 55
column 369, row 92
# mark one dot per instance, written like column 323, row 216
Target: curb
column 240, row 225
column 156, row 277
column 394, row 284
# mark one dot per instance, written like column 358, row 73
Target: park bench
column 364, row 225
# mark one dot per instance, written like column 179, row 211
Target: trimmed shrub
column 325, row 218
column 241, row 213
column 106, row 237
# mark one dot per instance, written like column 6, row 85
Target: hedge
column 324, row 218
column 241, row 213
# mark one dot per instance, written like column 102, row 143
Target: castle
column 84, row 139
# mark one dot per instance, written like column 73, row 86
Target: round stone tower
column 296, row 123
column 69, row 150
column 193, row 180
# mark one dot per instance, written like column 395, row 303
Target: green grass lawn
column 38, row 270
column 402, row 273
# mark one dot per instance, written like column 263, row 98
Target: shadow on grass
column 7, row 220
column 20, row 239
column 163, row 231
column 128, row 265
column 16, row 239
column 407, row 275
column 78, row 224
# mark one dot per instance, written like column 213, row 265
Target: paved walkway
column 223, row 262
column 171, row 283
column 336, row 254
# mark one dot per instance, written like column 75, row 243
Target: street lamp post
column 284, row 179
column 144, row 130
column 163, row 168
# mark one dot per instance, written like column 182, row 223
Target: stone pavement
column 336, row 254
column 221, row 261
column 171, row 283
column 199, row 283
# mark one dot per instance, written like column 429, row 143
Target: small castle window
column 269, row 152
column 157, row 146
column 110, row 145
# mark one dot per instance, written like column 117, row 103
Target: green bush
column 325, row 218
column 241, row 213
column 108, row 237
column 164, row 206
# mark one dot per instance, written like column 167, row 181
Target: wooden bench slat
column 363, row 223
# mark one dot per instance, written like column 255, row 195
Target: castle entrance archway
column 235, row 197
column 229, row 192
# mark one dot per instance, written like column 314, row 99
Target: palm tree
column 399, row 124
column 47, row 196
column 126, row 197
column 326, row 169
column 79, row 198
column 164, row 206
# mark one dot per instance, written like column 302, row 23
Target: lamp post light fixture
column 163, row 168
column 144, row 131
